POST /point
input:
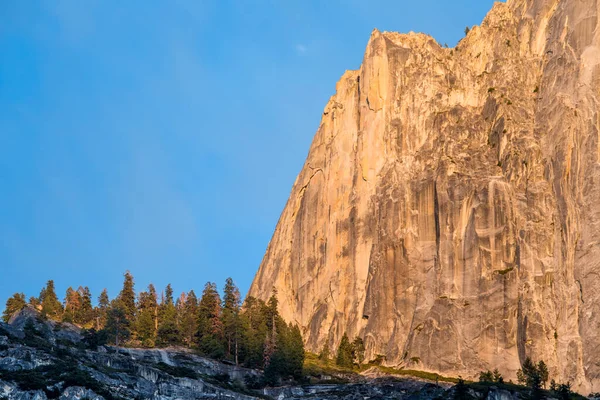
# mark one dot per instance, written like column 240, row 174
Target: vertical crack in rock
column 461, row 218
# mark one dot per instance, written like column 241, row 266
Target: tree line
column 252, row 333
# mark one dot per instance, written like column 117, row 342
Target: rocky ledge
column 42, row 359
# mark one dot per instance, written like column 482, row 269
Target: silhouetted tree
column 461, row 390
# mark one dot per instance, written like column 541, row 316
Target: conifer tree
column 231, row 320
column 35, row 302
column 72, row 305
column 344, row 353
column 13, row 305
column 254, row 331
column 272, row 316
column 117, row 323
column 102, row 309
column 51, row 307
column 358, row 351
column 325, row 352
column 210, row 329
column 188, row 320
column 86, row 314
column 146, row 317
column 127, row 297
column 294, row 352
column 168, row 333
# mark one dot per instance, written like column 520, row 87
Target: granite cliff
column 448, row 211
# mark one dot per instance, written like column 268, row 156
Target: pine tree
column 295, row 352
column 325, row 353
column 344, row 353
column 529, row 374
column 102, row 309
column 117, row 323
column 127, row 297
column 72, row 305
column 543, row 372
column 51, row 307
column 210, row 329
column 284, row 347
column 86, row 312
column 358, row 351
column 230, row 319
column 254, row 331
column 146, row 317
column 168, row 333
column 271, row 318
column 35, row 302
column 461, row 390
column 188, row 320
column 13, row 305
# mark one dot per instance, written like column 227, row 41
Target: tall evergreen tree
column 272, row 317
column 358, row 351
column 117, row 327
column 254, row 331
column 210, row 329
column 102, row 309
column 13, row 305
column 344, row 353
column 146, row 317
column 72, row 305
column 86, row 312
column 188, row 319
column 51, row 307
column 168, row 333
column 294, row 352
column 127, row 297
column 231, row 319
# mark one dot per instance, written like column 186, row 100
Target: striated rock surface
column 449, row 208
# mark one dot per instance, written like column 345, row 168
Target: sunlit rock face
column 449, row 208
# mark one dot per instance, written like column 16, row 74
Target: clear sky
column 163, row 137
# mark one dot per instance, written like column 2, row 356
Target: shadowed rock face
column 449, row 208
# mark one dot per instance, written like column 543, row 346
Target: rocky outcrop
column 448, row 209
column 38, row 363
column 41, row 359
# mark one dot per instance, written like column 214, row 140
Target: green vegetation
column 251, row 334
column 13, row 304
column 491, row 377
column 316, row 367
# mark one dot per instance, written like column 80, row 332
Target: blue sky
column 163, row 137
